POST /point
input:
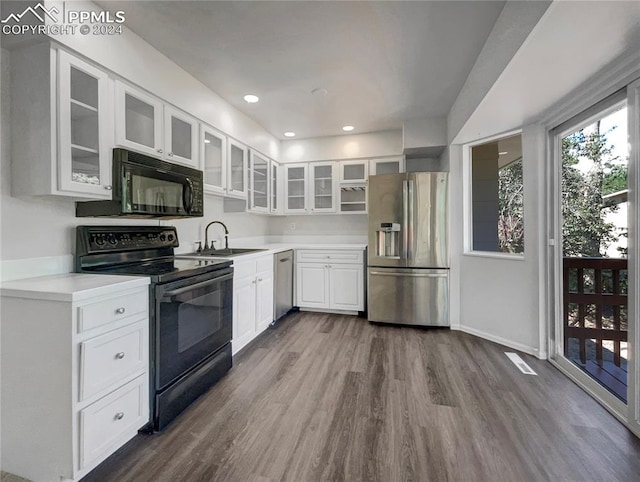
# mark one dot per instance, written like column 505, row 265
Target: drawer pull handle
column 120, row 355
column 119, row 416
column 120, row 311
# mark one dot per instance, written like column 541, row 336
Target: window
column 497, row 196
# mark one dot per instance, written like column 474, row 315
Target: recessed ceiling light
column 251, row 98
column 503, row 153
column 347, row 128
column 289, row 134
column 319, row 91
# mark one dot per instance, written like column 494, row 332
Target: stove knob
column 163, row 237
column 171, row 237
column 99, row 240
column 112, row 239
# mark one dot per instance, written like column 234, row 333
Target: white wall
column 417, row 133
column 513, row 26
column 348, row 146
column 499, row 298
column 350, row 227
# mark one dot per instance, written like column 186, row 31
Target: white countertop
column 70, row 286
column 273, row 248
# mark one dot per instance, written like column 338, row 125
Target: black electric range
column 190, row 309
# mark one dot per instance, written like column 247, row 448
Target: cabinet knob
column 108, row 188
column 159, row 150
column 170, row 154
column 259, row 279
column 120, row 355
column 254, row 281
column 120, row 311
column 119, row 416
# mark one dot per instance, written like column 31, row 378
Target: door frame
column 628, row 414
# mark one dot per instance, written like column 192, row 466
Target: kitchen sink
column 226, row 252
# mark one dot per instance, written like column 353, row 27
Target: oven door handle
column 179, row 291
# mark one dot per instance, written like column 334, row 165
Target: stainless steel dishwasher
column 283, row 292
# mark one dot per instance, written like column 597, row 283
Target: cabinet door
column 84, row 123
column 237, row 169
column 180, row 137
column 138, row 120
column 386, row 165
column 346, row 290
column 275, row 178
column 312, row 280
column 354, row 171
column 353, row 199
column 213, row 160
column 244, row 311
column 264, row 301
column 295, row 188
column 258, row 182
column 322, row 187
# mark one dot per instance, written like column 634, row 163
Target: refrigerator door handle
column 411, row 200
column 409, row 275
column 405, row 219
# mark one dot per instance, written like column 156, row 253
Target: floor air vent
column 519, row 362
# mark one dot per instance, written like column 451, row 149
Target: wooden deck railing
column 595, row 303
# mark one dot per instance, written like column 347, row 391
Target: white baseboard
column 502, row 341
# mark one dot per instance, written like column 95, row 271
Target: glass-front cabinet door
column 354, row 171
column 237, row 169
column 84, row 129
column 213, row 160
column 322, row 185
column 181, row 137
column 295, row 188
column 138, row 121
column 258, row 183
column 275, row 179
column 386, row 165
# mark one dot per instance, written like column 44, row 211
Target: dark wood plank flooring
column 335, row 398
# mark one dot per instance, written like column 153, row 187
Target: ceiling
column 381, row 62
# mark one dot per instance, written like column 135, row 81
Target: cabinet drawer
column 111, row 421
column 105, row 360
column 113, row 309
column 264, row 264
column 335, row 256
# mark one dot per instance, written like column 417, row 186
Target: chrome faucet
column 206, row 235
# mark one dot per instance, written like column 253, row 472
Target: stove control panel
column 92, row 239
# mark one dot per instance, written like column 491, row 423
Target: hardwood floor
column 329, row 397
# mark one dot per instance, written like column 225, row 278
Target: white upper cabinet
column 354, row 171
column 213, row 159
column 237, row 169
column 62, row 125
column 322, row 187
column 145, row 124
column 181, row 137
column 386, row 165
column 295, row 188
column 258, row 182
column 138, row 121
column 83, row 127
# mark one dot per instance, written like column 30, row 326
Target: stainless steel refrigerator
column 408, row 255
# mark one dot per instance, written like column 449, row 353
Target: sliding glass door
column 596, row 254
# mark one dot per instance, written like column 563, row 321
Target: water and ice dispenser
column 388, row 240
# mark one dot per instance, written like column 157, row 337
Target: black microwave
column 146, row 187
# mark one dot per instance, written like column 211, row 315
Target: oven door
column 193, row 319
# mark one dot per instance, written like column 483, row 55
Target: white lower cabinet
column 75, row 372
column 330, row 280
column 252, row 299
